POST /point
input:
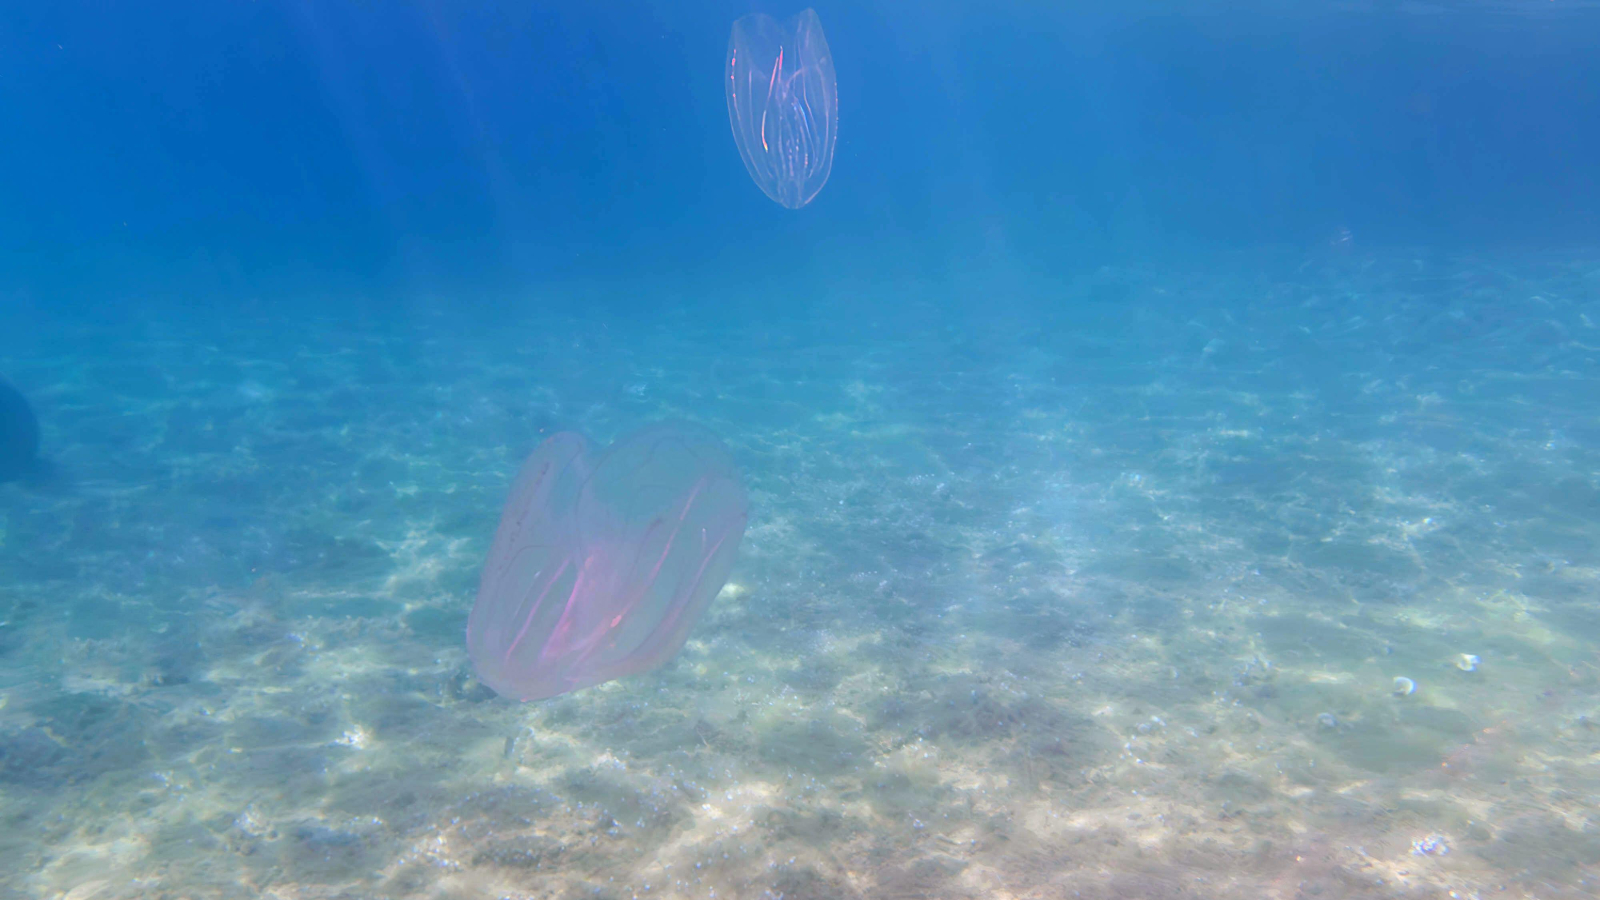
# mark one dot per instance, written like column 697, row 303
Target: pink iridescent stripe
column 523, row 632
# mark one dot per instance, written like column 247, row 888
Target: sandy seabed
column 1218, row 585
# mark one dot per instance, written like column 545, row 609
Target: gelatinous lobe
column 603, row 562
column 783, row 104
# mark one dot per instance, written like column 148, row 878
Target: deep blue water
column 1170, row 435
column 279, row 149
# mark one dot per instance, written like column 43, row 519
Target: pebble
column 1432, row 845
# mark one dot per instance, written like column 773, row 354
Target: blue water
column 1171, row 440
